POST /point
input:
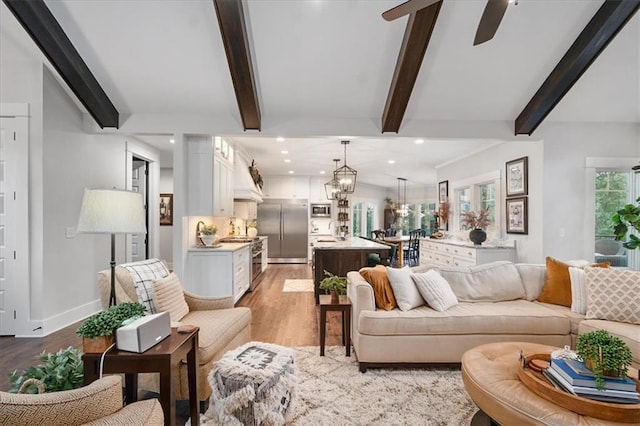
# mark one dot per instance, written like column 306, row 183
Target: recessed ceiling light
column 322, row 172
column 286, row 160
column 172, row 141
column 290, row 172
column 280, row 139
column 419, row 141
column 284, row 152
column 391, row 161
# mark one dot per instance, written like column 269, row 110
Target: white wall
column 166, row 232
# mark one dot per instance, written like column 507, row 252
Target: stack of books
column 574, row 377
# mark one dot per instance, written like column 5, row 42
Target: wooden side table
column 163, row 358
column 344, row 306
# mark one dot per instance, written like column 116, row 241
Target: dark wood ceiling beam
column 47, row 33
column 236, row 45
column 414, row 45
column 601, row 29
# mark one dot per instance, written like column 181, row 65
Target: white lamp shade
column 111, row 211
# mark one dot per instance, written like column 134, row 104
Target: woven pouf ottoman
column 253, row 385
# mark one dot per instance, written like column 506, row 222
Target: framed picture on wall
column 517, row 216
column 166, row 209
column 443, row 191
column 517, row 177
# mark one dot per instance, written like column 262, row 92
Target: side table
column 344, row 306
column 163, row 358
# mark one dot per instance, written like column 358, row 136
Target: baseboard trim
column 66, row 318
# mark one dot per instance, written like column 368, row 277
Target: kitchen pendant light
column 332, row 188
column 346, row 175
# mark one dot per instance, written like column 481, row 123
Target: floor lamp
column 112, row 211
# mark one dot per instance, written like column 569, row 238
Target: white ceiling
column 331, row 62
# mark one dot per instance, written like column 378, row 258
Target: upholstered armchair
column 99, row 403
column 222, row 326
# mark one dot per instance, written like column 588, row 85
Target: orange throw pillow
column 557, row 284
column 382, row 291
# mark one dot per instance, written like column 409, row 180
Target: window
column 357, row 220
column 463, row 201
column 427, row 217
column 474, row 194
column 370, row 218
column 612, row 190
column 487, row 198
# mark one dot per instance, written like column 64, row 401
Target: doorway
column 140, row 183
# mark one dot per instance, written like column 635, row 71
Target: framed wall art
column 517, row 177
column 166, row 209
column 443, row 191
column 517, row 216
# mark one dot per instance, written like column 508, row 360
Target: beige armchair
column 99, row 403
column 222, row 328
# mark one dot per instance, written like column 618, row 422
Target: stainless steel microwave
column 320, row 210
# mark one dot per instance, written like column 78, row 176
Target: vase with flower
column 476, row 221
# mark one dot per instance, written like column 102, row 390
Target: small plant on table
column 604, row 354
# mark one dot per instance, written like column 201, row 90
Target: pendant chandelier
column 332, row 188
column 346, row 175
column 402, row 206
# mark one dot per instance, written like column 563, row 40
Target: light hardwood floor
column 284, row 318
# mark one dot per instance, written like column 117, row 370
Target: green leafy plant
column 59, row 371
column 334, row 283
column 625, row 220
column 104, row 323
column 209, row 230
column 604, row 354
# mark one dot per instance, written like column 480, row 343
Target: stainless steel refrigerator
column 285, row 222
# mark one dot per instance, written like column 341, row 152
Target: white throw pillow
column 435, row 290
column 578, row 290
column 169, row 297
column 405, row 291
column 613, row 295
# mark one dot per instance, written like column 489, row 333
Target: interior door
column 294, row 231
column 13, row 222
column 139, row 183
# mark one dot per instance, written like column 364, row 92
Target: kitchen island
column 340, row 257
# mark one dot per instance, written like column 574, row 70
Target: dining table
column 399, row 240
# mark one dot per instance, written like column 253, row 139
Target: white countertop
column 223, row 247
column 469, row 244
column 349, row 244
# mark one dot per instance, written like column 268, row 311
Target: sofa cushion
column 382, row 292
column 532, row 276
column 404, row 290
column 168, row 297
column 435, row 290
column 628, row 333
column 511, row 317
column 139, row 275
column 217, row 329
column 574, row 318
column 613, row 295
column 557, row 284
column 578, row 280
column 491, row 282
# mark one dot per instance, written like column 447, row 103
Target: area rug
column 297, row 285
column 332, row 391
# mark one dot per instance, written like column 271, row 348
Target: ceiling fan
column 489, row 22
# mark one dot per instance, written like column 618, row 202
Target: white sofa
column 423, row 335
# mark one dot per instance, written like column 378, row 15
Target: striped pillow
column 169, row 297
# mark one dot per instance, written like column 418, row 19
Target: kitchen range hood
column 244, row 188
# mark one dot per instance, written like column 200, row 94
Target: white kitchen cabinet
column 209, row 179
column 442, row 253
column 286, row 187
column 213, row 272
column 317, row 194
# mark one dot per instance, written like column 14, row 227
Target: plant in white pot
column 208, row 234
column 252, row 229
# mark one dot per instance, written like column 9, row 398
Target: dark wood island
column 340, row 257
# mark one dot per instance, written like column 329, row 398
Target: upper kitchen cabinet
column 210, row 176
column 317, row 193
column 286, row 187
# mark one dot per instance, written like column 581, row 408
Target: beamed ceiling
column 317, row 71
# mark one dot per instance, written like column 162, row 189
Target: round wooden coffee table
column 490, row 376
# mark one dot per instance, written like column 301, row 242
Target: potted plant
column 624, row 220
column 252, row 229
column 98, row 330
column 59, row 371
column 604, row 354
column 476, row 221
column 334, row 284
column 208, row 234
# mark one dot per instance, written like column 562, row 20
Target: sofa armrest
column 94, row 401
column 361, row 295
column 207, row 303
column 143, row 413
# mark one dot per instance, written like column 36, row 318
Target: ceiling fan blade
column 490, row 21
column 406, row 8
